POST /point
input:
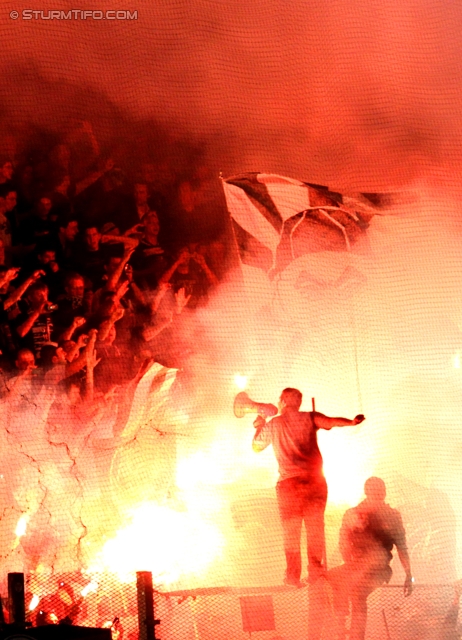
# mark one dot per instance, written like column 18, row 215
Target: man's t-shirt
column 368, row 534
column 39, row 335
column 294, row 439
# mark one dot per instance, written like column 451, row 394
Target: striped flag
column 277, row 219
column 150, row 399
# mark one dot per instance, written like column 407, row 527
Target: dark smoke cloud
column 361, row 93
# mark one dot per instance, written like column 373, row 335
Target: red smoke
column 363, row 94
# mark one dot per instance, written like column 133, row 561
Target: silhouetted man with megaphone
column 301, row 489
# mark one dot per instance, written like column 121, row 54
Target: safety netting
column 165, row 245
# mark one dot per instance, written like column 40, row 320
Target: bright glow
column 168, row 543
column 240, row 381
column 345, row 467
column 222, row 462
column 21, row 527
column 456, row 361
column 90, row 588
column 34, row 602
column 200, row 468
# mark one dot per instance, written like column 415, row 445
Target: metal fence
column 225, row 613
column 281, row 613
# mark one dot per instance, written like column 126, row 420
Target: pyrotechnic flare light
column 456, row 361
column 345, row 485
column 34, row 602
column 169, row 543
column 90, row 588
column 240, row 381
column 21, row 527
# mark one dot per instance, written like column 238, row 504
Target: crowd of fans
column 97, row 270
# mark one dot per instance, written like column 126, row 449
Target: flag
column 278, row 219
column 150, row 399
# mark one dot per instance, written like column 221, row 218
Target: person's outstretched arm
column 326, row 422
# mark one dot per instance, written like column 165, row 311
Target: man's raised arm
column 326, row 422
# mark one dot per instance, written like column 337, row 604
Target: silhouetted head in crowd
column 112, row 263
column 68, row 229
column 10, row 195
column 375, row 489
column 25, row 360
column 141, row 193
column 37, row 294
column 43, row 207
column 151, row 226
column 92, row 238
column 51, row 355
column 45, row 253
column 74, row 285
column 6, row 171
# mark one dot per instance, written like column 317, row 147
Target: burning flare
column 170, row 544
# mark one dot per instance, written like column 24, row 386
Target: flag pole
column 324, row 550
column 233, row 240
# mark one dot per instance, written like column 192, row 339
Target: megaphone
column 244, row 405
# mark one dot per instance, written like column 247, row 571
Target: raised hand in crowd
column 181, row 300
column 77, row 322
column 19, row 292
column 134, row 288
column 153, row 330
column 9, row 275
column 200, row 260
column 91, row 362
column 73, row 348
column 159, row 295
column 112, row 238
column 137, row 229
column 92, row 177
column 82, row 340
column 88, row 344
column 122, row 290
column 105, row 327
column 91, row 359
column 38, row 306
column 35, row 276
column 183, row 257
column 113, row 280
